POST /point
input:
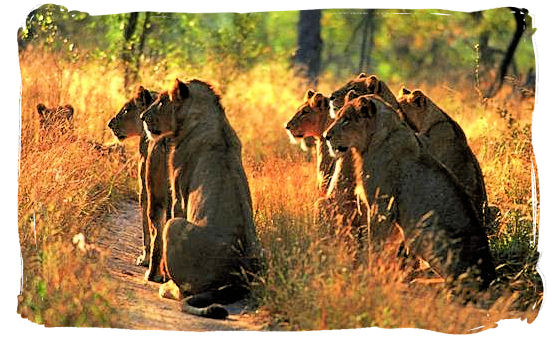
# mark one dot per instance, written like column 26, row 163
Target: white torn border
column 15, row 17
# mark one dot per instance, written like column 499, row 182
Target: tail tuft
column 216, row 311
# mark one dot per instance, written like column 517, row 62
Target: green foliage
column 405, row 44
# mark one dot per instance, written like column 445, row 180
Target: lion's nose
column 287, row 126
column 111, row 123
column 142, row 117
column 332, row 98
column 327, row 136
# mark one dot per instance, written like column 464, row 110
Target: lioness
column 412, row 188
column 362, row 85
column 59, row 119
column 212, row 237
column 335, row 177
column 447, row 143
column 159, row 202
column 153, row 159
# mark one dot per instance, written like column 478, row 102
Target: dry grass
column 65, row 188
column 313, row 280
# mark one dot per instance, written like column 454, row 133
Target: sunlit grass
column 313, row 280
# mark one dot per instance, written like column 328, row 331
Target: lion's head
column 362, row 85
column 127, row 123
column 358, row 84
column 353, row 124
column 60, row 118
column 161, row 118
column 311, row 118
column 413, row 104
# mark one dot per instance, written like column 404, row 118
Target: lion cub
column 58, row 119
column 335, row 177
column 447, row 143
column 211, row 243
column 155, row 198
column 412, row 188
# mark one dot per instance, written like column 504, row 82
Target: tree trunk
column 367, row 41
column 519, row 16
column 128, row 49
column 144, row 32
column 308, row 54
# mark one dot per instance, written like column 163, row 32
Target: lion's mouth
column 336, row 151
column 118, row 135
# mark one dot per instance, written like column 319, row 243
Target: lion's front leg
column 143, row 258
column 157, row 219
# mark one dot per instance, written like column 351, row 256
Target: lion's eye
column 345, row 121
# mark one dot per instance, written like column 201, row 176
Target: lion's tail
column 209, row 303
column 215, row 311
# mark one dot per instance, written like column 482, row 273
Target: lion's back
column 448, row 144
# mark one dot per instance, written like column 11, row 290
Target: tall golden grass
column 313, row 280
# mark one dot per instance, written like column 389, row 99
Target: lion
column 335, row 177
column 447, row 143
column 362, row 85
column 159, row 203
column 210, row 244
column 409, row 186
column 58, row 119
column 152, row 154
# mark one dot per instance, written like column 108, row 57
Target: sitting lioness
column 335, row 178
column 152, row 169
column 212, row 239
column 447, row 143
column 410, row 187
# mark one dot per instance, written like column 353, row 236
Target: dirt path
column 142, row 306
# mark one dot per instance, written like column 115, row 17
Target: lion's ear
column 418, row 98
column 40, row 109
column 403, row 91
column 319, row 100
column 350, row 96
column 366, row 106
column 70, row 111
column 362, row 75
column 309, row 93
column 373, row 85
column 179, row 91
column 144, row 96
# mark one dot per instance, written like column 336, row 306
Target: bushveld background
column 66, row 187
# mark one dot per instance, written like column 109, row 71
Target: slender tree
column 519, row 16
column 141, row 44
column 367, row 41
column 308, row 55
column 127, row 54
